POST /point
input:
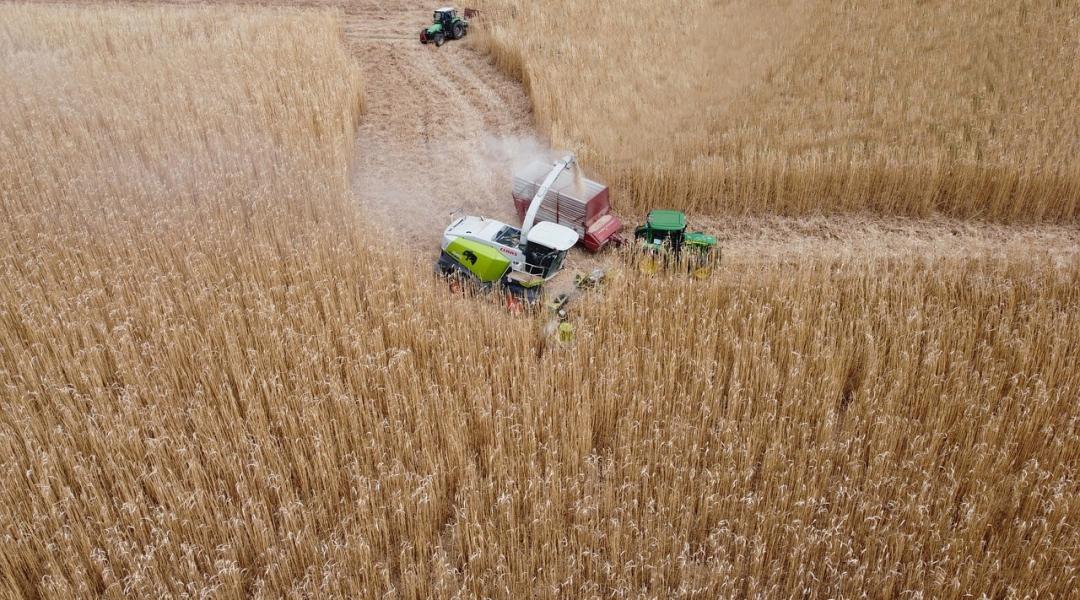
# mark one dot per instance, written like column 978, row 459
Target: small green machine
column 446, row 25
column 665, row 239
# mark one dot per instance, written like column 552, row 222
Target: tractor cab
column 663, row 228
column 663, row 238
column 666, row 229
column 445, row 17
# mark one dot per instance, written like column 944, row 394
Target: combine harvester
column 559, row 210
column 491, row 253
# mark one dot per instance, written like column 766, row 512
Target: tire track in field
column 424, row 148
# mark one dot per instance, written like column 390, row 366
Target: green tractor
column 447, row 25
column 664, row 239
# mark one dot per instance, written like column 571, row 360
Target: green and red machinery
column 446, row 25
column 665, row 239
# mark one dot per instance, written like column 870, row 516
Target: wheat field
column 216, row 382
column 796, row 107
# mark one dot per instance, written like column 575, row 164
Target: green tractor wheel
column 650, row 264
column 439, row 39
column 458, row 31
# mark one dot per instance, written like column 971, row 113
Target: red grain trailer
column 575, row 202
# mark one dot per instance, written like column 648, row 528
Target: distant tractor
column 447, row 25
column 493, row 254
column 664, row 240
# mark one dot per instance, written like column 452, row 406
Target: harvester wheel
column 439, row 39
column 456, row 284
column 514, row 305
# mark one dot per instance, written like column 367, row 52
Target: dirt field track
column 443, row 126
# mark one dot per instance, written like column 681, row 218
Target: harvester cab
column 446, row 24
column 665, row 235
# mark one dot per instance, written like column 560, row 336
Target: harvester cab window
column 508, row 237
column 541, row 260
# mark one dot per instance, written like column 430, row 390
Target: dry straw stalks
column 797, row 107
column 213, row 382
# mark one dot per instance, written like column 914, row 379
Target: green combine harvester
column 494, row 255
column 447, row 25
column 664, row 239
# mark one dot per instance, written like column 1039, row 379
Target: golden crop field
column 218, row 380
column 803, row 106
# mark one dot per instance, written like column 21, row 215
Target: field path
column 443, row 126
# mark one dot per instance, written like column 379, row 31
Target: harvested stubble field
column 217, row 380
